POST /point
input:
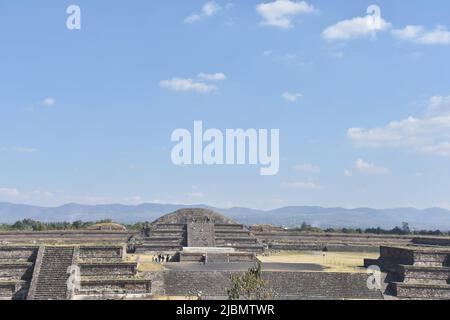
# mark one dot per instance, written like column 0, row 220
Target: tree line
column 403, row 230
column 33, row 225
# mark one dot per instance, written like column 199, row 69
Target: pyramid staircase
column 52, row 275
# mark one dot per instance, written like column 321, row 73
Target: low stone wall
column 66, row 236
column 443, row 242
column 421, row 291
column 430, row 258
column 101, row 252
column 287, row 285
column 108, row 269
column 101, row 287
column 297, row 240
column 217, row 257
column 237, row 227
column 158, row 248
column 13, row 290
column 320, row 247
column 192, row 257
column 16, row 271
column 428, row 275
column 242, row 257
column 18, row 253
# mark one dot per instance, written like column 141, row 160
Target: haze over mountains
column 430, row 219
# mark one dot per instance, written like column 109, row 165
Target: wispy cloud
column 219, row 76
column 209, row 9
column 359, row 27
column 281, row 13
column 307, row 168
column 25, row 149
column 306, row 185
column 291, row 97
column 48, row 102
column 9, row 192
column 180, row 84
column 419, row 35
column 427, row 134
column 364, row 167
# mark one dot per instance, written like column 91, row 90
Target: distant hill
column 430, row 219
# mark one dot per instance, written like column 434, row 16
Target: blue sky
column 363, row 115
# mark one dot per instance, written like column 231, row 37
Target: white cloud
column 307, row 168
column 418, row 34
column 428, row 134
column 179, row 84
column 212, row 76
column 359, row 27
column 209, row 9
column 306, row 185
column 281, row 13
column 364, row 167
column 438, row 106
column 9, row 192
column 49, row 102
column 291, row 97
column 24, row 149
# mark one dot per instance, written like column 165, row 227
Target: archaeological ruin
column 194, row 253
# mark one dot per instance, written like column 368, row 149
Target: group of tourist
column 160, row 258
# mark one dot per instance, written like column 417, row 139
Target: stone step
column 421, row 291
column 425, row 274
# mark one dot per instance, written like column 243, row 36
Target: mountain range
column 427, row 219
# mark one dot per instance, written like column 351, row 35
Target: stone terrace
column 16, row 268
column 41, row 273
column 415, row 272
column 296, row 240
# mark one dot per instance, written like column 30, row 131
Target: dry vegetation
column 145, row 262
column 331, row 261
